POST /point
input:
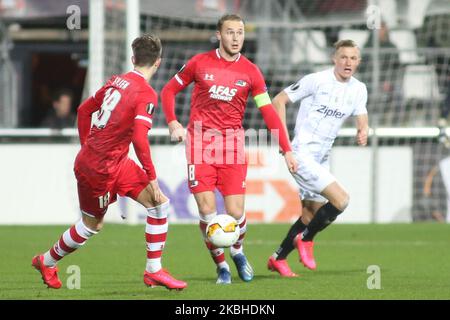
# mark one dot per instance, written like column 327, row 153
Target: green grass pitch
column 414, row 262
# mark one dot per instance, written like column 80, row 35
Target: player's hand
column 361, row 137
column 291, row 162
column 155, row 191
column 177, row 132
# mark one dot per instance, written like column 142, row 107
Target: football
column 223, row 231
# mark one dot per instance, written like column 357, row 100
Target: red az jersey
column 125, row 104
column 220, row 95
column 221, row 89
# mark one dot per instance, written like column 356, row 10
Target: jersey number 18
column 110, row 101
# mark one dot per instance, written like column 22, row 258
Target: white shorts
column 312, row 176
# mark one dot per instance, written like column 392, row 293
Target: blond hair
column 346, row 43
column 228, row 17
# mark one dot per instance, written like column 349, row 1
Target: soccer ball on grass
column 223, row 231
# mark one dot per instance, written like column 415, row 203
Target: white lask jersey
column 325, row 104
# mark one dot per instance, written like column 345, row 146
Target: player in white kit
column 327, row 99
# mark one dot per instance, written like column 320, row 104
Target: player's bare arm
column 279, row 102
column 362, row 127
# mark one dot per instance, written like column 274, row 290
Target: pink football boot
column 306, row 253
column 49, row 274
column 163, row 278
column 280, row 266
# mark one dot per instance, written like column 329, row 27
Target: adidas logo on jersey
column 330, row 112
column 222, row 93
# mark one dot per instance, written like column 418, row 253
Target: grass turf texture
column 414, row 260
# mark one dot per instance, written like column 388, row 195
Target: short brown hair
column 347, row 43
column 228, row 17
column 146, row 50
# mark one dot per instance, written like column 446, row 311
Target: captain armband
column 262, row 100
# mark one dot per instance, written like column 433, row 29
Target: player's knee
column 206, row 209
column 98, row 226
column 236, row 210
column 342, row 203
column 150, row 203
column 93, row 224
column 307, row 214
column 236, row 213
column 306, row 218
column 160, row 211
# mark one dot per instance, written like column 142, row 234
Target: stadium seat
column 420, row 82
column 405, row 41
column 310, row 47
column 359, row 36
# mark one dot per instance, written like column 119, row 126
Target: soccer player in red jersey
column 215, row 143
column 103, row 169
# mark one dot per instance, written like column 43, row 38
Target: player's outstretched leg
column 324, row 216
column 280, row 266
column 70, row 241
column 277, row 262
column 243, row 267
column 155, row 235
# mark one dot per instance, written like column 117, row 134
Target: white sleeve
column 360, row 107
column 302, row 88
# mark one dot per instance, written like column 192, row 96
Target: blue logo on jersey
column 330, row 112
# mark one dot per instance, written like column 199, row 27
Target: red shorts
column 216, row 161
column 229, row 179
column 97, row 191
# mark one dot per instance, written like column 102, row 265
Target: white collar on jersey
column 351, row 80
column 218, row 55
column 138, row 73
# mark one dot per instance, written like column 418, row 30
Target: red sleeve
column 84, row 117
column 85, row 111
column 142, row 123
column 180, row 81
column 168, row 94
column 142, row 148
column 275, row 126
column 144, row 112
column 258, row 83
